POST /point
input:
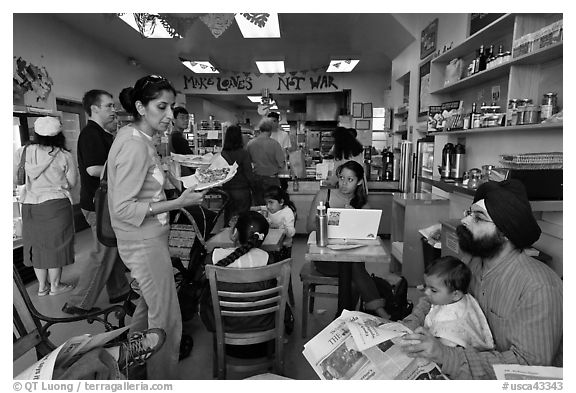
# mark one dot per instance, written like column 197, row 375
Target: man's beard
column 485, row 247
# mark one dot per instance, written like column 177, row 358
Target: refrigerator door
column 405, row 166
column 424, row 164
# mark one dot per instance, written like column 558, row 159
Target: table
column 371, row 251
column 272, row 242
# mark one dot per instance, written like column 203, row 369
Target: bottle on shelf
column 475, row 117
column 499, row 56
column 480, row 64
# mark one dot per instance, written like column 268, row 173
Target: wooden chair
column 310, row 279
column 245, row 305
column 31, row 327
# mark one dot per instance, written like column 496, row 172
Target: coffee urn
column 457, row 162
column 447, row 155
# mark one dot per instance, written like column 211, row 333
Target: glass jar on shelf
column 549, row 105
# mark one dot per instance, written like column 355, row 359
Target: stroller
column 190, row 228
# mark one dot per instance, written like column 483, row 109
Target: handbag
column 21, row 172
column 104, row 230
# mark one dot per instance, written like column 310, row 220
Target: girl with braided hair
column 249, row 231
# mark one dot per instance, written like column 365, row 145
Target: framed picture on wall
column 428, row 39
column 367, row 110
column 424, row 89
column 357, row 109
column 362, row 125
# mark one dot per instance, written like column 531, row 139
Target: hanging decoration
column 217, row 23
column 148, row 23
column 176, row 26
column 29, row 77
column 257, row 19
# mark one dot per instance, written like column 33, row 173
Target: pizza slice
column 205, row 175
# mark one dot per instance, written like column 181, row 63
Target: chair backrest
column 27, row 330
column 232, row 303
column 30, row 327
column 269, row 299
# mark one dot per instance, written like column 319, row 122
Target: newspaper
column 359, row 346
column 520, row 372
column 67, row 353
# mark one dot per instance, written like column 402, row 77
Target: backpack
column 396, row 300
column 104, row 230
column 21, row 172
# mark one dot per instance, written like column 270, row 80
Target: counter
column 451, row 186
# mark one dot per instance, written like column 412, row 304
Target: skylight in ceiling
column 200, row 67
column 251, row 25
column 270, row 67
column 342, row 65
column 153, row 28
column 255, row 99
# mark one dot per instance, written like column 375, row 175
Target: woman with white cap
column 47, row 218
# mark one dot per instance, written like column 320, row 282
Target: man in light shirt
column 283, row 138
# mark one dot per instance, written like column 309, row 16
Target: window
column 380, row 127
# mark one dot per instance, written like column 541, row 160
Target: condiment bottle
column 321, row 225
column 512, row 113
column 548, row 105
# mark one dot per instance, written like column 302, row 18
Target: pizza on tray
column 205, row 175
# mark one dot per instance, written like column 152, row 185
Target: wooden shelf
column 493, row 31
column 542, row 55
column 528, row 127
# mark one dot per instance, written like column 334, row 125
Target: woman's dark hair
column 252, row 228
column 454, row 273
column 360, row 197
column 145, row 90
column 233, row 138
column 179, row 111
column 345, row 144
column 278, row 194
column 57, row 141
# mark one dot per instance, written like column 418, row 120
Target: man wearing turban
column 520, row 296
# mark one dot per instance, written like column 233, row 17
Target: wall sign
column 357, row 109
column 242, row 83
column 367, row 110
column 362, row 124
column 428, row 39
column 424, row 89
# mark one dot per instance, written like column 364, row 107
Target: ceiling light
column 250, row 29
column 342, row 65
column 270, row 67
column 256, row 99
column 200, row 67
column 153, row 27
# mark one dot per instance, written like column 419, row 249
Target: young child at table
column 448, row 311
column 281, row 215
